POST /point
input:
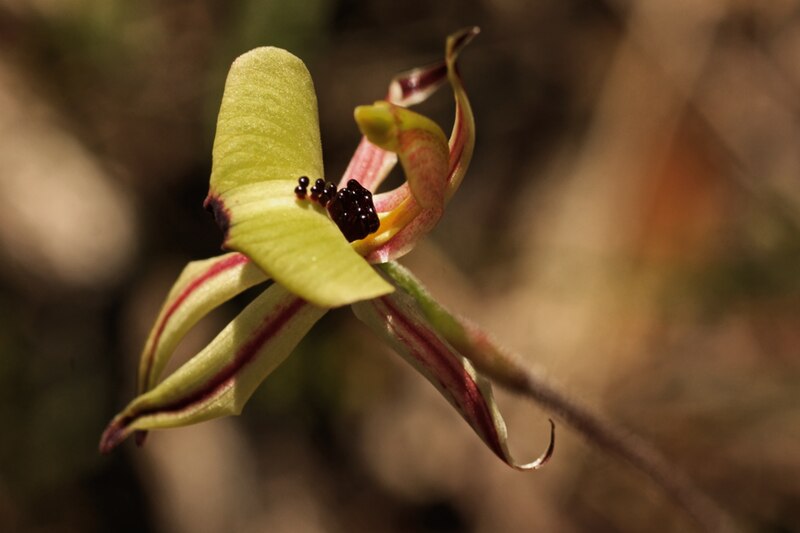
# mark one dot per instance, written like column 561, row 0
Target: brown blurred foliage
column 630, row 224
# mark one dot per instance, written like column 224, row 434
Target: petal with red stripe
column 220, row 379
column 465, row 336
column 370, row 164
column 461, row 145
column 397, row 319
column 201, row 287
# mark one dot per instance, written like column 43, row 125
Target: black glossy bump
column 351, row 208
column 353, row 211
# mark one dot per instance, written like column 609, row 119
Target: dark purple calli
column 317, row 252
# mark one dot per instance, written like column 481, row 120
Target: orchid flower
column 268, row 141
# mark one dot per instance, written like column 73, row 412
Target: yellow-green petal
column 220, row 379
column 300, row 247
column 201, row 287
column 267, row 137
column 268, row 128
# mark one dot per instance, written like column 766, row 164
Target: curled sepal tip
column 371, row 164
column 408, row 222
column 397, row 320
column 416, row 85
column 548, row 453
column 220, row 379
column 462, row 137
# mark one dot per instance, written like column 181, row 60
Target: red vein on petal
column 406, row 237
column 118, row 430
column 215, row 270
column 386, row 201
column 449, row 372
column 405, row 89
column 244, row 355
column 366, row 164
column 457, row 146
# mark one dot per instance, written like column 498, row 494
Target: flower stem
column 513, row 373
column 617, row 441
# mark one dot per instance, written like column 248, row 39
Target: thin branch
column 627, row 446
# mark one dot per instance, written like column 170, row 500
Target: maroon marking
column 426, row 77
column 216, row 269
column 114, row 434
column 421, row 81
column 222, row 215
column 464, row 389
column 463, row 40
column 458, row 144
column 117, row 431
column 244, row 355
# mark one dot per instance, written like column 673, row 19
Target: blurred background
column 630, row 224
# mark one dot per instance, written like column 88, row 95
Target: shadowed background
column 630, row 224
